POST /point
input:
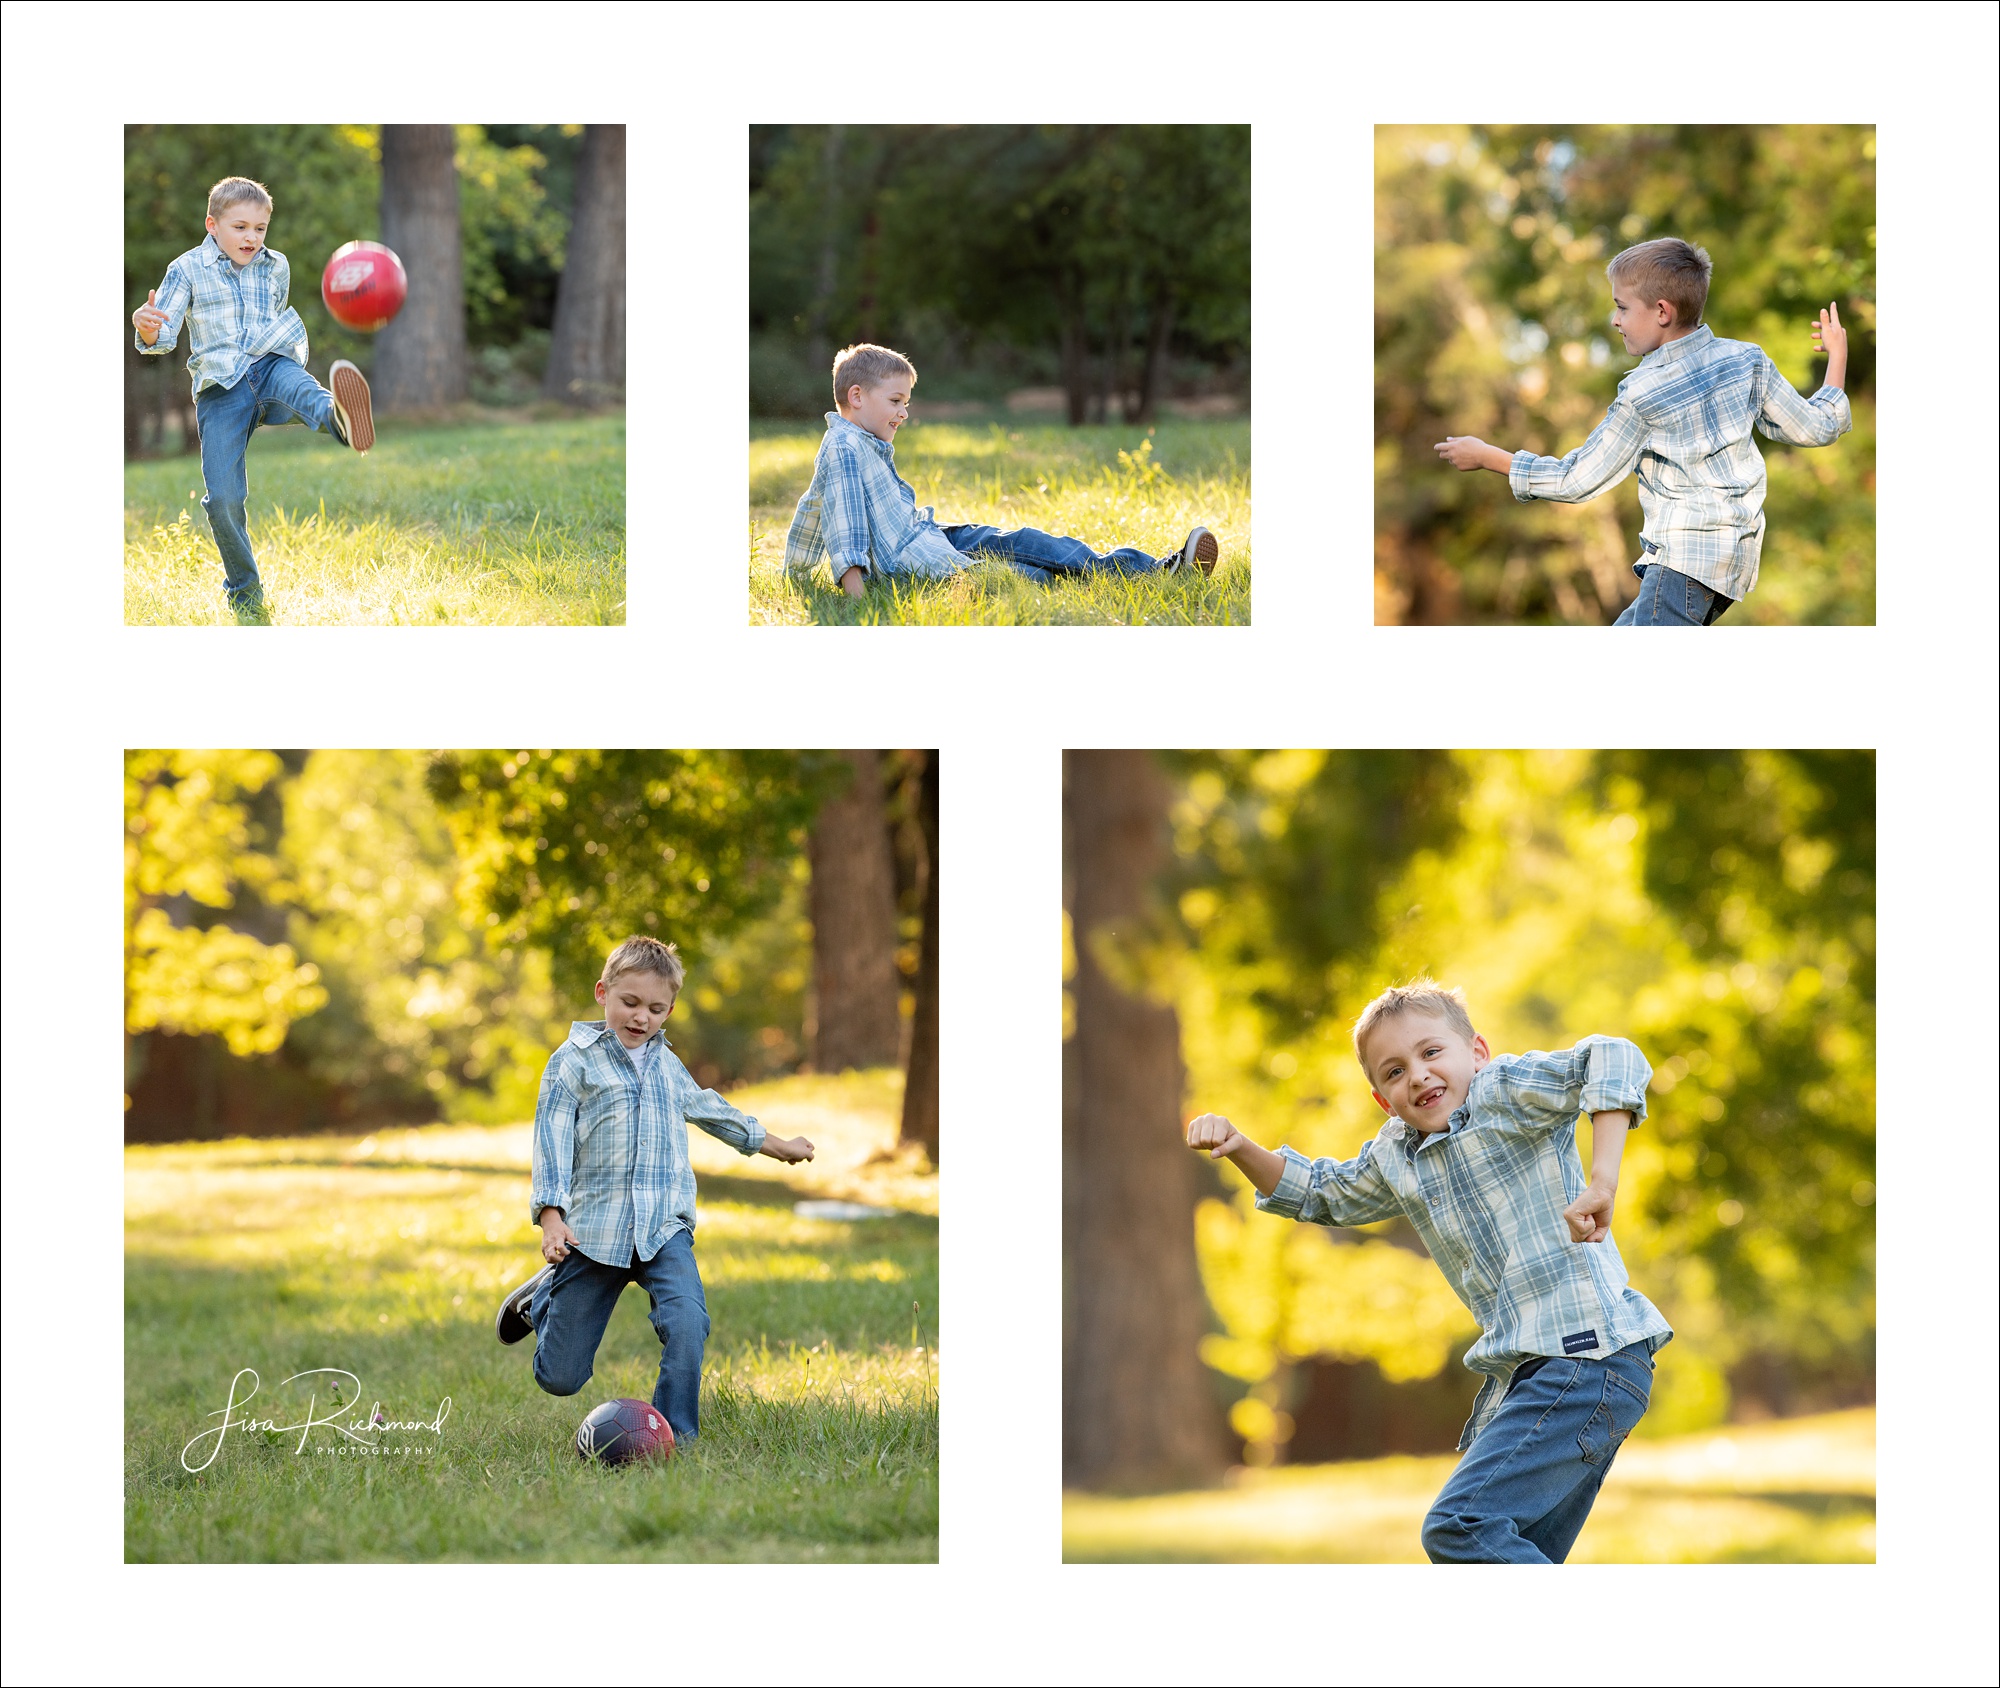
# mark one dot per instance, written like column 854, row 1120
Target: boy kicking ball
column 1684, row 419
column 247, row 355
column 613, row 1191
column 863, row 517
column 1480, row 1156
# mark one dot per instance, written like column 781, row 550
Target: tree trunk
column 420, row 361
column 819, row 353
column 920, row 1083
column 587, row 352
column 1075, row 359
column 856, row 1023
column 1156, row 356
column 1138, row 1409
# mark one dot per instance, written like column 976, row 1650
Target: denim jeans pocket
column 1618, row 1412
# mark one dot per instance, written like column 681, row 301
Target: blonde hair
column 1666, row 269
column 237, row 190
column 1419, row 996
column 645, row 955
column 868, row 366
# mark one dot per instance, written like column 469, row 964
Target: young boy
column 1480, row 1156
column 247, row 355
column 1684, row 419
column 612, row 1189
column 863, row 516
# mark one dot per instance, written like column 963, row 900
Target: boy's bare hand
column 1828, row 336
column 789, row 1149
column 1464, row 451
column 557, row 1238
column 1215, row 1134
column 149, row 319
column 854, row 583
column 1589, row 1215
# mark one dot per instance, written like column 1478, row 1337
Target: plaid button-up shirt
column 1684, row 419
column 1487, row 1197
column 859, row 513
column 234, row 315
column 611, row 1143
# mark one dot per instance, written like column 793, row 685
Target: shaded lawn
column 1795, row 1491
column 489, row 523
column 386, row 1255
column 1108, row 486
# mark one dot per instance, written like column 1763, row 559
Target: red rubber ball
column 363, row 285
column 621, row 1431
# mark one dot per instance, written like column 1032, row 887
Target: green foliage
column 1490, row 304
column 1107, row 486
column 575, row 850
column 1038, row 248
column 503, row 524
column 190, row 843
column 1715, row 907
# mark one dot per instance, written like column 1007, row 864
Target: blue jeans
column 1668, row 598
column 274, row 391
column 1039, row 555
column 573, row 1304
column 1522, row 1492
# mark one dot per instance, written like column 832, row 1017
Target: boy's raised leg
column 569, row 1310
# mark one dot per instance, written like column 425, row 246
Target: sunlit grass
column 505, row 523
column 386, row 1255
column 1800, row 1490
column 1107, row 486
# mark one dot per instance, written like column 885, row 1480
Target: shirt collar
column 1675, row 349
column 583, row 1033
column 213, row 254
column 835, row 420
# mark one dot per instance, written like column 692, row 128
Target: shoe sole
column 524, row 1294
column 1206, row 551
column 350, row 399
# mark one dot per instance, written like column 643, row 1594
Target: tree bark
column 818, row 352
column 1138, row 1409
column 421, row 361
column 920, row 1083
column 855, row 987
column 587, row 351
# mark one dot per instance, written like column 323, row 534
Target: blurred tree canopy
column 1491, row 307
column 1023, row 252
column 1715, row 907
column 357, row 935
column 515, row 187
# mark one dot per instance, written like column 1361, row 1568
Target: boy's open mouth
column 1430, row 1097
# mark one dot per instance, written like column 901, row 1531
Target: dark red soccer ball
column 624, row 1430
column 364, row 285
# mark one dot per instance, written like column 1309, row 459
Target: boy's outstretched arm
column 1589, row 1215
column 1596, row 466
column 1788, row 415
column 1465, row 451
column 1224, row 1142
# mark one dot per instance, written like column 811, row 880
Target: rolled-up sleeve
column 1551, row 1090
column 1330, row 1192
column 1786, row 414
column 555, row 1141
column 1596, row 466
column 171, row 296
column 720, row 1119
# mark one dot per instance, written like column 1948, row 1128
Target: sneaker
column 510, row 1324
column 1199, row 548
column 353, row 418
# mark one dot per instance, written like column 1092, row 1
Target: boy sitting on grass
column 1480, row 1156
column 613, row 1191
column 247, row 355
column 863, row 516
column 1684, row 418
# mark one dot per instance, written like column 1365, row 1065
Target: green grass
column 1107, row 486
column 386, row 1256
column 1796, row 1491
column 498, row 523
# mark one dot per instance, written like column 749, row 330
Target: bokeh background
column 1291, row 1391
column 338, row 938
column 1492, row 318
column 1076, row 300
